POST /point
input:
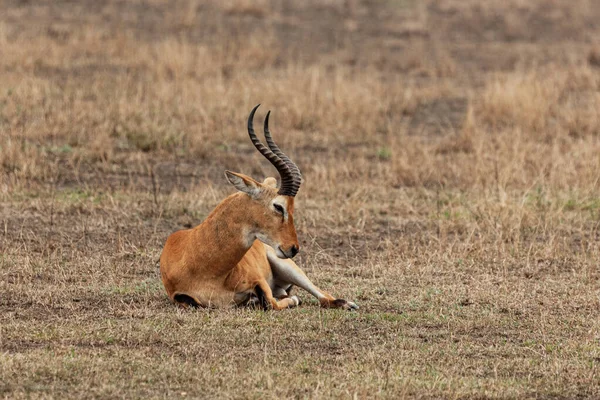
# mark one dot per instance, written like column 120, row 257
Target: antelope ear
column 243, row 183
column 270, row 181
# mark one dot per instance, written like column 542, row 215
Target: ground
column 450, row 151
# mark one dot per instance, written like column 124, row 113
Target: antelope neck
column 225, row 236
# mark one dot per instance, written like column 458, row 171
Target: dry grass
column 451, row 158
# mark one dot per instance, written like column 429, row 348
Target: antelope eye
column 278, row 208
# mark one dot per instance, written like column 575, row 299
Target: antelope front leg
column 265, row 297
column 287, row 271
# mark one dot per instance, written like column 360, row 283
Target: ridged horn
column 275, row 149
column 290, row 178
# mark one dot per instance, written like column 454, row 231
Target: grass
column 450, row 156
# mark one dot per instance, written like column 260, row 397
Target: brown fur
column 220, row 262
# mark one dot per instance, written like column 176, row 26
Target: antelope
column 241, row 254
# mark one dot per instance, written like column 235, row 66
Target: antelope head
column 270, row 208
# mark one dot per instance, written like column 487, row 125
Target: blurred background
column 90, row 85
column 451, row 157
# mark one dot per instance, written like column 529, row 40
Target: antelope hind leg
column 286, row 271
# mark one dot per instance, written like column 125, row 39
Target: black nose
column 294, row 250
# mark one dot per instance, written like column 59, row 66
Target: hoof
column 296, row 301
column 343, row 304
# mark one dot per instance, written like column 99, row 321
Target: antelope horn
column 289, row 182
column 293, row 167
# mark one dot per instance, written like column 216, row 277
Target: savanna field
column 451, row 159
